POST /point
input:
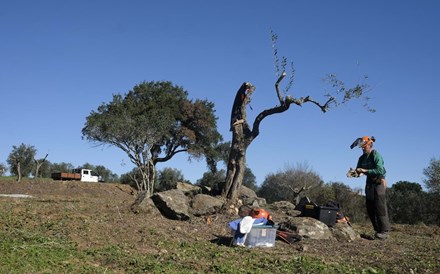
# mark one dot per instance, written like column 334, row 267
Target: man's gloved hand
column 352, row 173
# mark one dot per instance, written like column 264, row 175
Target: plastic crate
column 261, row 236
column 325, row 214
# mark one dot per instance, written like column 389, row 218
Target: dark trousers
column 377, row 207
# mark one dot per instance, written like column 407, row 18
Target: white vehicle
column 83, row 175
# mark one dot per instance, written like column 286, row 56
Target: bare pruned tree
column 243, row 134
column 38, row 164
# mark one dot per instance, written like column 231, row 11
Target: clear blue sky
column 59, row 60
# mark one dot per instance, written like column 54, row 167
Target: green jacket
column 373, row 162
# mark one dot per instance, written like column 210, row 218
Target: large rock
column 188, row 189
column 344, row 232
column 203, row 204
column 286, row 207
column 145, row 205
column 173, row 204
column 308, row 228
column 249, row 197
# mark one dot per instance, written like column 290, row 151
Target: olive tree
column 152, row 123
column 432, row 173
column 290, row 184
column 243, row 134
column 21, row 160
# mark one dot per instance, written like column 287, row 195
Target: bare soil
column 98, row 214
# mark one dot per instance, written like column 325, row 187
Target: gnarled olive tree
column 152, row 123
column 243, row 134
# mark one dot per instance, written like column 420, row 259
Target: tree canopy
column 21, row 160
column 152, row 123
column 432, row 173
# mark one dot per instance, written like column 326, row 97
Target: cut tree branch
column 277, row 86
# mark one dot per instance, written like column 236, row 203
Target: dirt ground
column 96, row 214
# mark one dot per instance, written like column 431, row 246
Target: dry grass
column 88, row 227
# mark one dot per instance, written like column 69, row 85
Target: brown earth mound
column 96, row 214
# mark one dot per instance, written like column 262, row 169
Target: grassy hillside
column 74, row 227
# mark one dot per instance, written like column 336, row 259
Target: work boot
column 381, row 235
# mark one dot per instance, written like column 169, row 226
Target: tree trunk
column 18, row 171
column 38, row 165
column 243, row 135
column 236, row 166
column 241, row 138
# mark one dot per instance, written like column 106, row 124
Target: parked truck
column 83, row 175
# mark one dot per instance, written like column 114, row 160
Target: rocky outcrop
column 205, row 205
column 173, row 204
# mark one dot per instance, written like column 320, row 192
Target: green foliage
column 281, row 63
column 168, row 178
column 352, row 204
column 408, row 204
column 21, row 157
column 214, row 180
column 249, row 179
column 218, row 153
column 432, row 173
column 288, row 184
column 61, row 167
column 152, row 123
column 340, row 94
column 45, row 169
column 346, row 94
column 129, row 177
column 405, row 186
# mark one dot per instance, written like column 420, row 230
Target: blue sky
column 59, row 60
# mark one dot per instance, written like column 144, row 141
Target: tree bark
column 38, row 165
column 241, row 138
column 243, row 135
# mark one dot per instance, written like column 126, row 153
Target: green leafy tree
column 168, row 178
column 405, row 186
column 290, row 184
column 152, row 123
column 249, row 179
column 213, row 180
column 61, row 167
column 21, row 160
column 243, row 134
column 131, row 177
column 432, row 173
column 38, row 164
column 351, row 203
column 406, row 203
column 45, row 169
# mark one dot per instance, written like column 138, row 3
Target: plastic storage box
column 325, row 214
column 261, row 236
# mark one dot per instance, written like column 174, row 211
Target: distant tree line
column 23, row 162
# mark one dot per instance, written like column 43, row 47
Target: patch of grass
column 27, row 252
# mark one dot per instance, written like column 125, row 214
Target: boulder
column 173, row 204
column 308, row 228
column 344, row 232
column 203, row 204
column 188, row 189
column 287, row 208
column 145, row 205
column 246, row 192
column 249, row 197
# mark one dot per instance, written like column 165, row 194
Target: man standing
column 371, row 164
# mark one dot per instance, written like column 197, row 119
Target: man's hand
column 352, row 173
column 361, row 171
